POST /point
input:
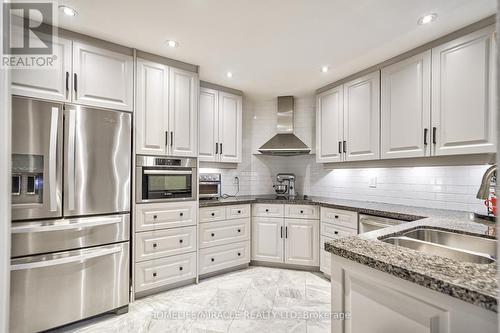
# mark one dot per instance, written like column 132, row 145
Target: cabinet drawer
column 224, row 232
column 162, row 243
column 224, row 256
column 164, row 215
column 161, row 272
column 342, row 218
column 237, row 211
column 268, row 210
column 302, row 211
column 335, row 231
column 208, row 214
column 324, row 257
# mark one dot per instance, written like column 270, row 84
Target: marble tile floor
column 257, row 299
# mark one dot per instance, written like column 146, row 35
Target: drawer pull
column 267, row 210
column 239, row 230
column 239, row 254
column 213, row 214
column 301, row 212
column 213, row 235
column 336, row 232
column 181, row 214
column 212, row 259
column 155, row 245
column 155, row 217
column 336, row 216
column 180, row 241
column 180, row 268
column 154, row 274
column 239, row 212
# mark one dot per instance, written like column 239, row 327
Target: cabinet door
column 152, row 108
column 267, row 239
column 183, row 115
column 104, row 78
column 406, row 104
column 209, row 129
column 53, row 84
column 362, row 118
column 230, row 136
column 330, row 125
column 302, row 242
column 463, row 95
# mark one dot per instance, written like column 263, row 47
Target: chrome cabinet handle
column 66, row 260
column 94, row 222
column 54, row 119
column 71, row 159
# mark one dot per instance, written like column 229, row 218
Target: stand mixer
column 285, row 185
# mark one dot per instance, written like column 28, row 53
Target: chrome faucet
column 486, row 183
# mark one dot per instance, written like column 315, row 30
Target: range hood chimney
column 285, row 143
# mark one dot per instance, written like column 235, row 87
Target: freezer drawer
column 29, row 238
column 56, row 289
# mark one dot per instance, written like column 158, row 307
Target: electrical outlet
column 236, row 180
column 373, row 182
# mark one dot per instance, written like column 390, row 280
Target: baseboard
column 286, row 266
column 167, row 287
column 223, row 271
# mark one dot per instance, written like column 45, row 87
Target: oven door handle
column 168, row 172
column 66, row 260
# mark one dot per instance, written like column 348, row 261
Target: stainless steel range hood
column 285, row 143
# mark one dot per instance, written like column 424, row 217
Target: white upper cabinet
column 463, row 95
column 102, row 78
column 152, row 108
column 330, row 125
column 53, row 84
column 209, row 125
column 362, row 118
column 405, row 108
column 183, row 113
column 230, row 127
column 220, row 132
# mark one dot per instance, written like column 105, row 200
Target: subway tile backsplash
column 446, row 187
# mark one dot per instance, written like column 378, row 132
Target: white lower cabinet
column 224, row 256
column 285, row 240
column 380, row 302
column 160, row 272
column 335, row 223
column 165, row 243
column 224, row 237
column 162, row 243
column 301, row 242
column 267, row 239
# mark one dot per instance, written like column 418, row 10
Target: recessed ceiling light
column 427, row 18
column 324, row 69
column 172, row 43
column 68, row 11
column 229, row 74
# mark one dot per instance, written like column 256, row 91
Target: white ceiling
column 273, row 47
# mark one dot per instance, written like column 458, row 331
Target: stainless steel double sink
column 456, row 246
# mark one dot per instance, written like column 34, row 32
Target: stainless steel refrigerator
column 71, row 170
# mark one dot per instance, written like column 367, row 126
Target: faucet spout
column 484, row 189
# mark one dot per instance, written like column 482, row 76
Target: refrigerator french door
column 71, row 169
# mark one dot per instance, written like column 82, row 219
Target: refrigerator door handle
column 71, row 159
column 54, row 118
column 66, row 260
column 96, row 222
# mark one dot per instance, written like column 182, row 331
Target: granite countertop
column 473, row 283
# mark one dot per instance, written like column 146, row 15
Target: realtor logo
column 29, row 34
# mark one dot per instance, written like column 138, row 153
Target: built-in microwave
column 165, row 179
